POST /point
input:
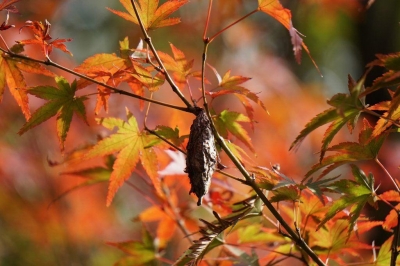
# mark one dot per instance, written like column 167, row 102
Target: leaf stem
column 381, row 116
column 299, row 241
column 164, row 71
column 49, row 62
column 4, row 42
column 387, row 173
column 232, row 24
column 207, row 19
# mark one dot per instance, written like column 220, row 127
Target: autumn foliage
column 184, row 126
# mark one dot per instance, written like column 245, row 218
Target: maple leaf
column 152, row 83
column 181, row 68
column 62, row 103
column 109, row 69
column 289, row 193
column 385, row 254
column 152, row 15
column 139, row 252
column 391, row 219
column 171, row 134
column 166, row 228
column 391, row 78
column 334, row 241
column 11, row 75
column 237, row 151
column 132, row 146
column 41, row 32
column 318, row 186
column 355, row 193
column 228, row 121
column 231, row 85
column 275, row 9
column 366, row 149
column 257, row 233
column 392, row 113
column 346, row 111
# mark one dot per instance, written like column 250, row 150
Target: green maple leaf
column 367, row 148
column 170, row 134
column 391, row 78
column 139, row 252
column 318, row 186
column 289, row 193
column 355, row 195
column 385, row 254
column 132, row 146
column 152, row 15
column 228, row 121
column 62, row 103
column 345, row 111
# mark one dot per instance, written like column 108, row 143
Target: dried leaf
column 201, row 155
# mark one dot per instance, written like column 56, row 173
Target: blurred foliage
column 73, row 230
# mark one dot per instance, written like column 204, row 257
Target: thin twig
column 387, row 173
column 232, row 24
column 232, row 177
column 207, row 19
column 4, row 42
column 164, row 71
column 149, row 59
column 381, row 116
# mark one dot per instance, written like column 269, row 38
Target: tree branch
column 232, row 24
column 164, row 71
column 299, row 241
column 49, row 62
column 387, row 173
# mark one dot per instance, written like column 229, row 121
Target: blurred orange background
column 73, row 230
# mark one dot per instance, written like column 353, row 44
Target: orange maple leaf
column 152, row 15
column 179, row 65
column 42, row 36
column 132, row 146
column 275, row 9
column 10, row 74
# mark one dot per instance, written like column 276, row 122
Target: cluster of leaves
column 330, row 228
